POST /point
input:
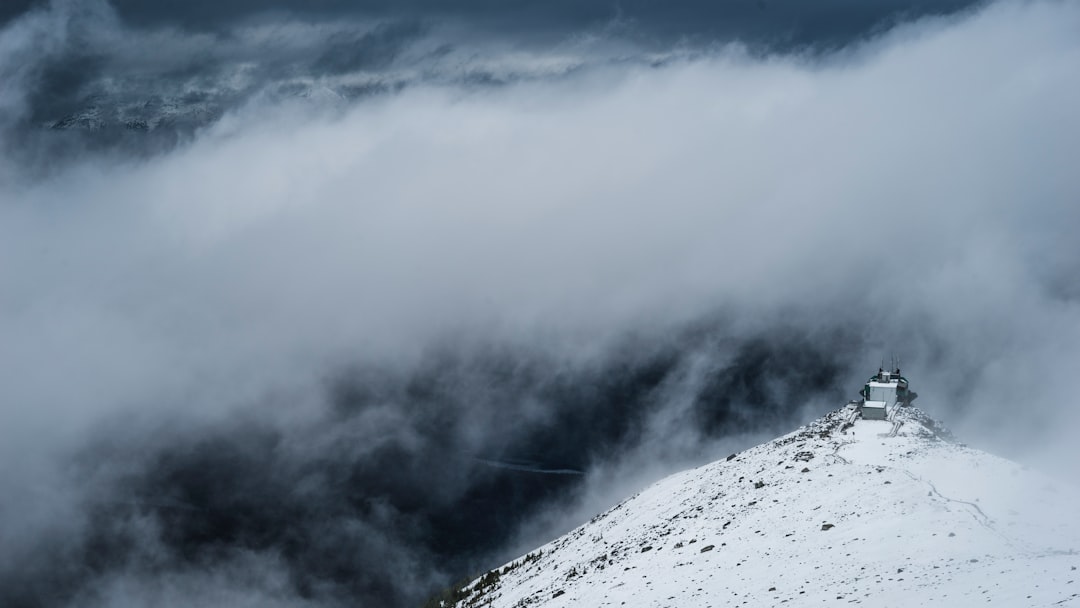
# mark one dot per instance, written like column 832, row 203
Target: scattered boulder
column 707, row 548
column 827, row 527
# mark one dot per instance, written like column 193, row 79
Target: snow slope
column 842, row 511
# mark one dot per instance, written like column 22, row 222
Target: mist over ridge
column 271, row 346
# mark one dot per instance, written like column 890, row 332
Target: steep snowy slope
column 844, row 510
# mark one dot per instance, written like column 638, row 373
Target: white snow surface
column 841, row 511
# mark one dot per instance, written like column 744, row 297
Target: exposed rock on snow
column 873, row 512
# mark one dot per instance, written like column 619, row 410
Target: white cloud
column 879, row 179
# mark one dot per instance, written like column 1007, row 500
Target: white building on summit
column 883, row 393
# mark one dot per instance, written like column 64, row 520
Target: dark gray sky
column 150, row 72
column 829, row 21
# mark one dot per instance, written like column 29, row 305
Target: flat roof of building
column 892, row 384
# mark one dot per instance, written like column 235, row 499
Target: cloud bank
column 137, row 77
column 293, row 357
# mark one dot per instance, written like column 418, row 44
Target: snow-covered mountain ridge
column 843, row 510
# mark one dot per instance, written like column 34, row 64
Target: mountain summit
column 844, row 510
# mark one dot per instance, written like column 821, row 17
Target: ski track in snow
column 841, row 511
